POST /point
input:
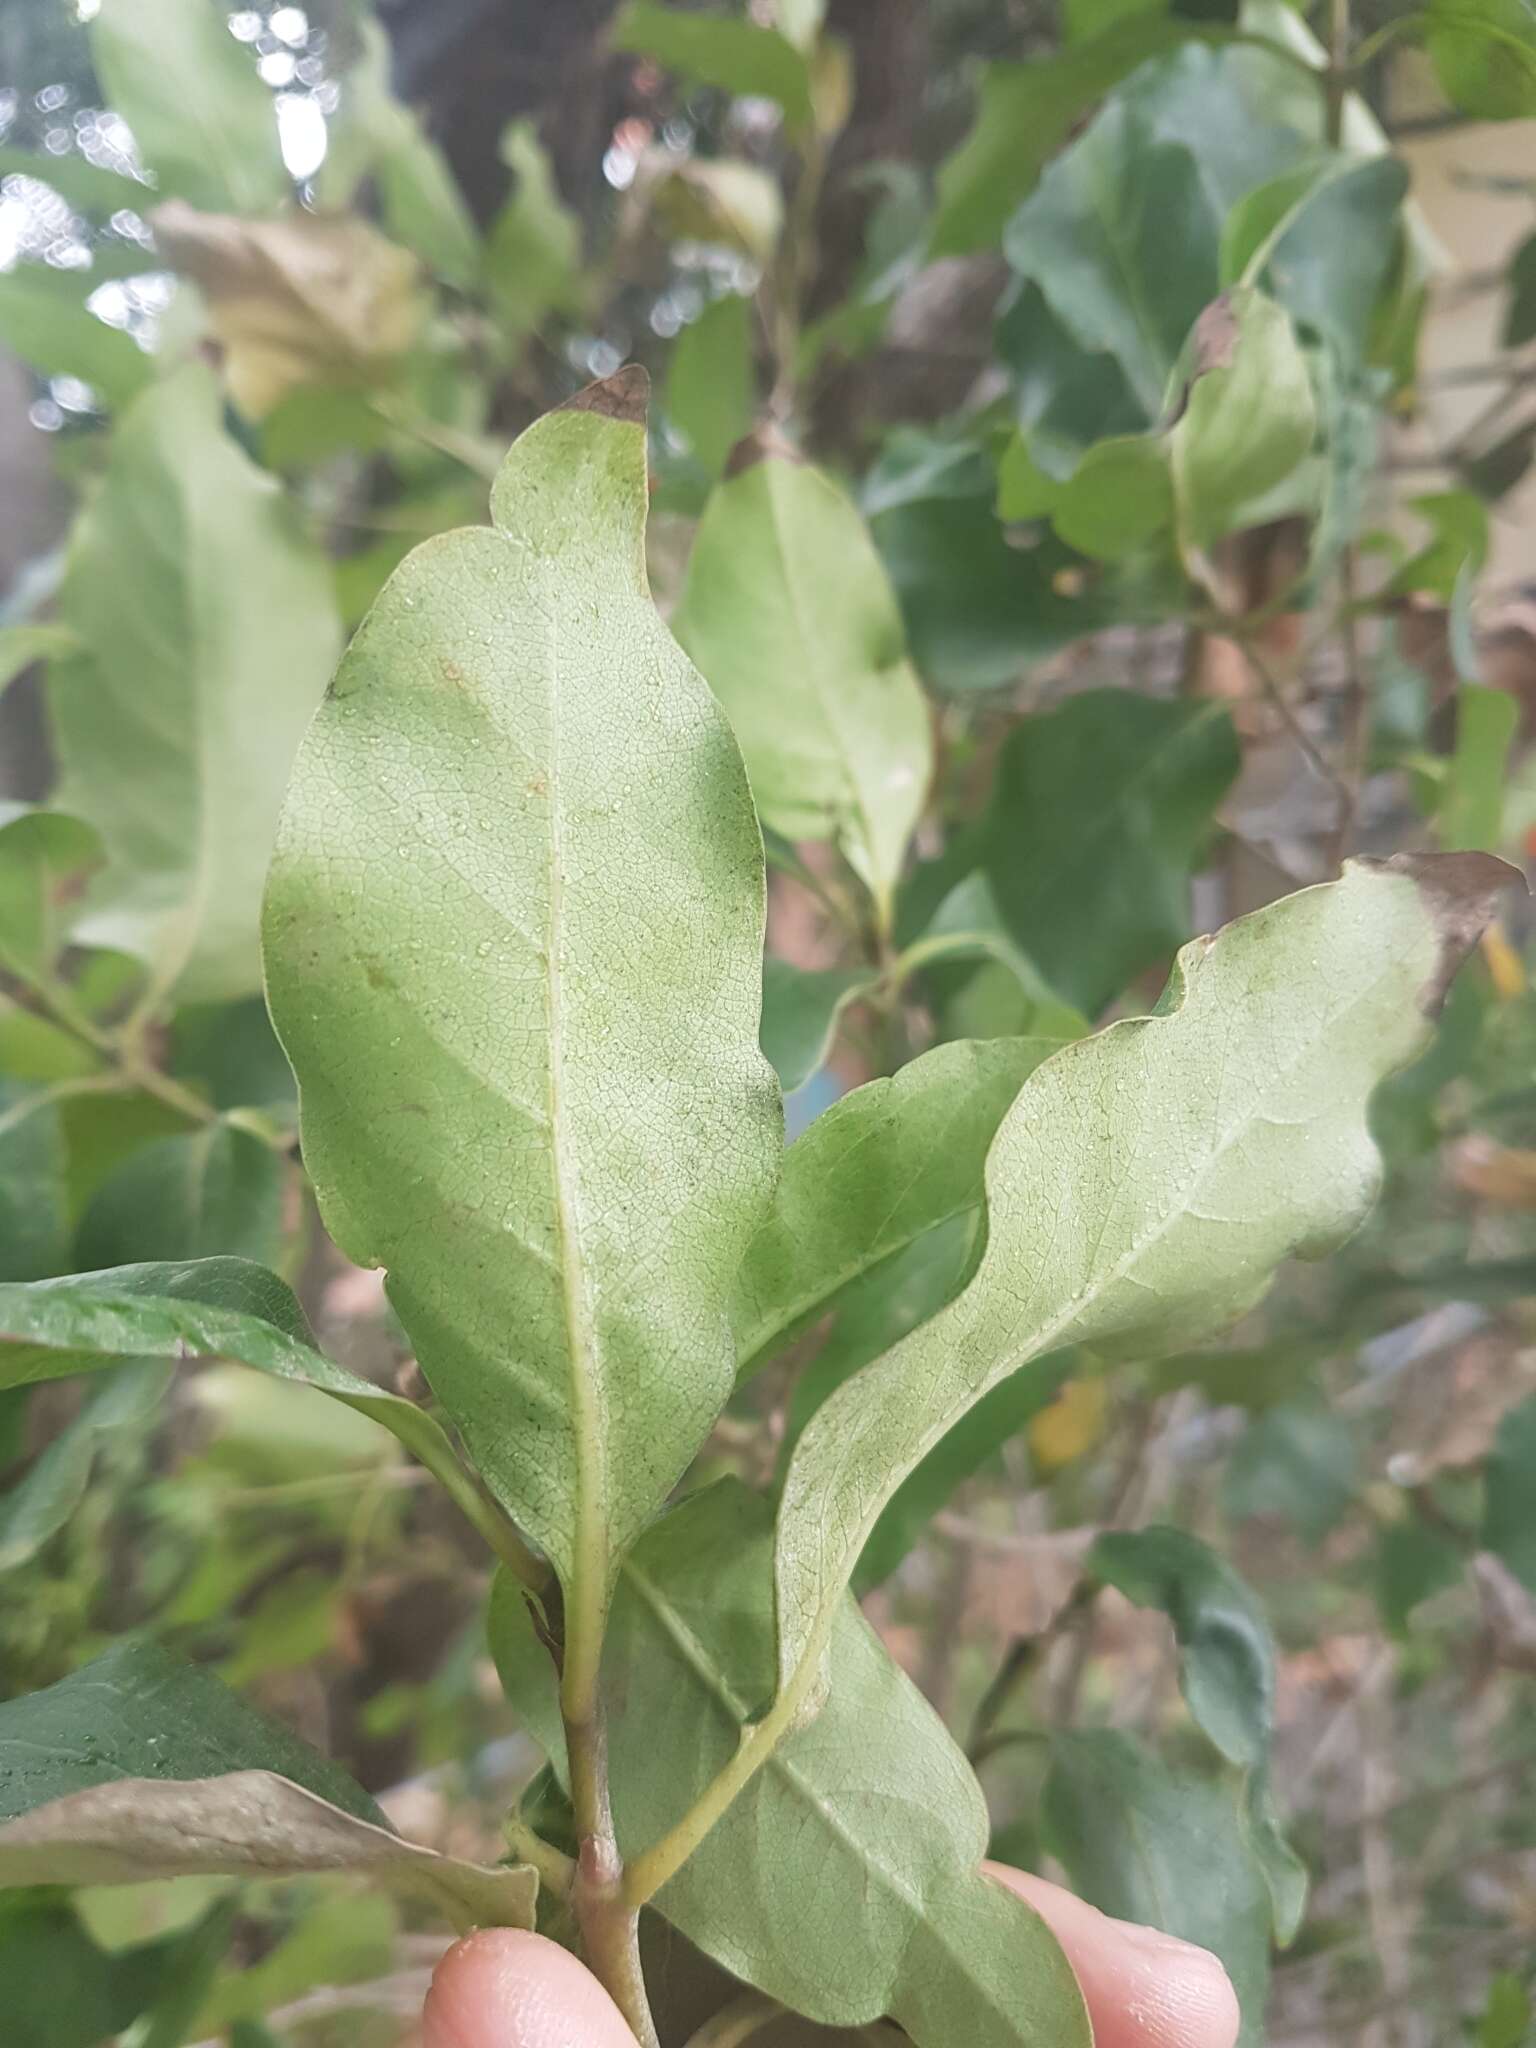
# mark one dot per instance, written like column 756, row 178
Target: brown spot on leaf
column 1460, row 891
column 624, row 396
column 763, row 444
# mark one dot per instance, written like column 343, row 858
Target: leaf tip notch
column 625, row 396
column 1459, row 892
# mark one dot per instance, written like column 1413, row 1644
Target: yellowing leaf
column 307, row 299
column 1071, row 1426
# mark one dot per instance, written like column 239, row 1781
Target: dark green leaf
column 1509, row 1512
column 1164, row 1848
column 41, row 1503
column 1100, row 810
column 1472, row 805
column 1297, row 1462
column 1520, row 315
column 214, row 1190
column 1484, row 54
column 42, row 853
column 61, row 1989
column 34, row 1200
column 801, row 1009
column 1412, row 1563
column 533, row 249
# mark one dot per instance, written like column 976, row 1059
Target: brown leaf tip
column 764, row 444
column 625, row 396
column 1460, row 891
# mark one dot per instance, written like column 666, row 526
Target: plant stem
column 609, row 1922
column 1357, row 710
column 557, row 1871
column 736, row 2022
column 131, row 1068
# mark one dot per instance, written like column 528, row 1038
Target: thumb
column 505, row 1989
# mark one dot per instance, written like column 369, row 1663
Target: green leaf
column 1458, row 524
column 200, row 114
column 533, row 250
column 208, row 629
column 1226, row 1674
column 788, row 613
column 1250, row 418
column 40, row 1504
column 1506, row 2017
column 138, row 1712
column 872, row 1175
column 209, row 1191
column 89, row 188
column 1520, row 314
column 1412, row 1563
column 61, row 1989
column 1186, row 1155
column 34, row 1209
column 208, row 1308
column 372, row 134
column 141, row 1767
column 1121, row 238
column 1227, row 1657
column 1026, row 113
column 21, row 646
column 1162, row 1848
column 1484, row 54
column 1472, row 805
column 801, row 1010
column 898, row 1825
column 1509, row 1522
column 1100, row 810
column 737, row 56
column 44, row 319
column 711, row 385
column 42, row 852
column 1296, row 1461
column 513, row 941
column 977, row 609
column 1324, row 238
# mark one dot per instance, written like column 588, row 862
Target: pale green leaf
column 710, row 381
column 1147, row 1181
column 44, row 319
column 513, row 941
column 20, row 646
column 845, row 1880
column 788, row 612
column 372, row 134
column 208, row 627
column 533, row 249
column 200, row 114
column 1249, row 419
column 1472, row 804
column 711, row 49
column 140, row 1767
column 89, row 188
column 870, row 1176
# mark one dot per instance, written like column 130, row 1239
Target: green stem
column 736, row 2022
column 609, row 1922
column 131, row 1068
column 557, row 1871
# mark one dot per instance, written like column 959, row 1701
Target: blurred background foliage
column 1168, row 374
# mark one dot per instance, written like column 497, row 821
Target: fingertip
column 1143, row 1989
column 502, row 1988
